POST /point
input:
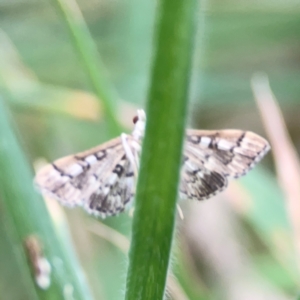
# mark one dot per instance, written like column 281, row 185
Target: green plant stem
column 88, row 53
column 155, row 209
column 24, row 213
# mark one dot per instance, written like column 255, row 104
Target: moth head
column 139, row 124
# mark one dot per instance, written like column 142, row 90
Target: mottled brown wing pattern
column 113, row 196
column 100, row 179
column 210, row 157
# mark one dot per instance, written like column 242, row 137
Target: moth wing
column 115, row 193
column 74, row 180
column 210, row 157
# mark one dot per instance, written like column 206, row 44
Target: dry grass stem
column 285, row 155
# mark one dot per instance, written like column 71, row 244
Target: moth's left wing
column 210, row 157
column 100, row 179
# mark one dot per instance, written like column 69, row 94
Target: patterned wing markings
column 113, row 196
column 76, row 179
column 212, row 156
column 200, row 185
column 102, row 179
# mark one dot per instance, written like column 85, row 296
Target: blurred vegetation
column 48, row 92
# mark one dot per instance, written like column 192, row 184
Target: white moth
column 102, row 179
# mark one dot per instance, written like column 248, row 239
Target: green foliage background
column 46, row 88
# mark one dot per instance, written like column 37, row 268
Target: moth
column 102, row 179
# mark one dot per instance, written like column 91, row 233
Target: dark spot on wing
column 194, row 139
column 135, row 119
column 101, row 154
column 240, row 139
column 61, row 172
column 82, row 162
column 118, row 170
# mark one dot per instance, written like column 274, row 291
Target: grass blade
column 25, row 214
column 160, row 163
column 87, row 51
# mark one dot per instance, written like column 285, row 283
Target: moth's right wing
column 100, row 179
column 213, row 156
